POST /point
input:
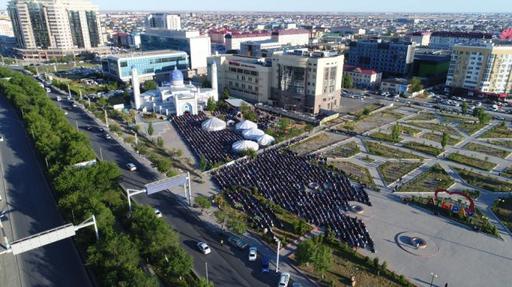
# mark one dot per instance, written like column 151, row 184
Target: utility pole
column 76, row 122
column 80, row 94
column 136, row 138
column 101, row 155
column 106, row 117
column 69, row 92
column 277, row 254
column 434, row 275
column 206, row 267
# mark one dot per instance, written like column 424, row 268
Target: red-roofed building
column 363, row 78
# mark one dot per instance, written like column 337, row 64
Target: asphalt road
column 226, row 266
column 30, row 208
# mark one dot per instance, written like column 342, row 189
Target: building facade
column 363, row 78
column 292, row 37
column 244, row 77
column 57, row 25
column 147, row 64
column 390, row 58
column 163, row 21
column 484, row 68
column 446, row 40
column 395, row 86
column 197, row 46
column 234, row 39
column 307, row 81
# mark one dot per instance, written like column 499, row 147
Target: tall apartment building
column 446, row 40
column 307, row 81
column 163, row 21
column 196, row 45
column 47, row 28
column 390, row 58
column 245, row 78
column 485, row 68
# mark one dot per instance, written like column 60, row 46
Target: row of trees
column 125, row 243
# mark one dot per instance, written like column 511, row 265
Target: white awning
column 266, row 140
column 243, row 145
column 252, row 134
column 213, row 124
column 246, row 125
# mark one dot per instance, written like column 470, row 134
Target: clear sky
column 312, row 5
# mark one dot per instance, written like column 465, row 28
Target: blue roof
column 176, row 75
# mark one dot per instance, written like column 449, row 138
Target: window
column 124, row 64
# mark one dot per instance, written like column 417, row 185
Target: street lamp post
column 434, row 275
column 277, row 253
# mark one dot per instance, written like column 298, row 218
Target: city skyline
column 491, row 6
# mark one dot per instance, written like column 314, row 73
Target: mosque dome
column 176, row 78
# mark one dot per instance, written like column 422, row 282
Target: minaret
column 136, row 89
column 215, row 85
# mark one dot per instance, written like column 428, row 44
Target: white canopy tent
column 243, row 145
column 214, row 124
column 253, row 134
column 246, row 125
column 266, row 140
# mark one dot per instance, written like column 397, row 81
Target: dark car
column 237, row 242
column 265, row 263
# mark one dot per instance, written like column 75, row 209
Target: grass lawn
column 429, row 181
column 354, row 172
column 384, row 137
column 471, row 161
column 507, row 172
column 316, row 142
column 484, row 182
column 470, row 128
column 503, row 210
column 385, row 151
column 499, row 131
column 436, row 127
column 346, row 150
column 487, row 150
column 367, row 109
column 376, row 120
column 423, row 148
column 423, row 117
column 391, row 171
column 438, row 138
column 504, row 143
column 410, row 131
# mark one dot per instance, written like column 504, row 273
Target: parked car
column 253, row 253
column 296, row 284
column 204, row 248
column 1, row 138
column 237, row 242
column 108, row 136
column 284, row 279
column 59, row 99
column 265, row 264
column 158, row 214
column 131, row 167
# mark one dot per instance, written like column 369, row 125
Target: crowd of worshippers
column 302, row 186
column 215, row 147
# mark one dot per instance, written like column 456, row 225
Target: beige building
column 485, row 68
column 307, row 81
column 244, row 77
column 57, row 25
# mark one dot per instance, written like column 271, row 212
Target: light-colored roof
column 244, row 145
column 246, row 125
column 266, row 140
column 213, row 124
column 253, row 134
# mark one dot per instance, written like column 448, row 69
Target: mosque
column 175, row 98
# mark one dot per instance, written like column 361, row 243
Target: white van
column 284, row 279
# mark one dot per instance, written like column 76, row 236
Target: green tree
column 305, row 252
column 395, row 133
column 444, row 140
column 283, row 124
column 150, row 85
column 416, row 85
column 322, row 259
column 176, row 262
column 203, row 202
column 248, row 112
column 226, row 94
column 150, row 129
column 347, row 81
column 211, row 105
column 464, row 107
column 160, row 142
column 205, row 283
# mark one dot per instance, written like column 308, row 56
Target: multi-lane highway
column 29, row 208
column 226, row 266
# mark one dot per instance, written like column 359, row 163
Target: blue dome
column 176, row 76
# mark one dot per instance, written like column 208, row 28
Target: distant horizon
column 299, row 11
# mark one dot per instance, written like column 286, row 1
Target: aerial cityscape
column 268, row 143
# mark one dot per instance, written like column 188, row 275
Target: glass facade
column 154, row 42
column 76, row 29
column 92, row 23
column 39, row 25
column 150, row 64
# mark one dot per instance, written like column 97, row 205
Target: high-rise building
column 390, row 58
column 163, row 21
column 446, row 40
column 55, row 27
column 307, row 81
column 196, row 45
column 484, row 68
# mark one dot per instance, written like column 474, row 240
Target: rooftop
column 145, row 54
column 350, row 68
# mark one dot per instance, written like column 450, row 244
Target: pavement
column 226, row 266
column 28, row 203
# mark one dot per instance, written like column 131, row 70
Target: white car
column 284, row 279
column 204, row 248
column 74, row 105
column 158, row 214
column 66, row 113
column 253, row 253
column 131, row 167
column 1, row 138
column 108, row 136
